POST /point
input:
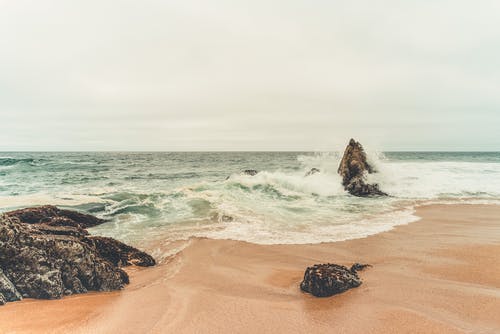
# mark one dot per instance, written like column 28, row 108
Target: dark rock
column 8, row 292
column 84, row 220
column 62, row 230
column 251, row 172
column 46, row 252
column 353, row 169
column 52, row 215
column 312, row 171
column 227, row 219
column 42, row 265
column 358, row 267
column 119, row 253
column 36, row 215
column 324, row 280
column 63, row 221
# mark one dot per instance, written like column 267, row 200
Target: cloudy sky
column 249, row 75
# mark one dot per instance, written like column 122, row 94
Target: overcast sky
column 249, row 75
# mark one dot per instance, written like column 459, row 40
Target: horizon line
column 243, row 151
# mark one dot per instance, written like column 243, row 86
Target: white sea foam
column 144, row 200
column 431, row 180
column 262, row 232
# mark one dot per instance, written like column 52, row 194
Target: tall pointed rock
column 353, row 169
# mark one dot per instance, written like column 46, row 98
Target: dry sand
column 438, row 275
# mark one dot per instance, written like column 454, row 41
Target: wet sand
column 438, row 275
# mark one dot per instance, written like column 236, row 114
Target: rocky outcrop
column 353, row 169
column 118, row 253
column 8, row 292
column 46, row 252
column 52, row 215
column 324, row 280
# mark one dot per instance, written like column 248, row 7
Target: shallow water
column 173, row 196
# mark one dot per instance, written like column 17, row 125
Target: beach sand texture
column 438, row 275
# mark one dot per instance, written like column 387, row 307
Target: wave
column 147, row 199
column 434, row 180
column 6, row 161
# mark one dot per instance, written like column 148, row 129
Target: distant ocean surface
column 174, row 196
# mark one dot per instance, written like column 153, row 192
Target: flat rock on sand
column 324, row 280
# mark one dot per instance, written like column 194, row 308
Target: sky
column 186, row 75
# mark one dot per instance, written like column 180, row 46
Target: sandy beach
column 437, row 275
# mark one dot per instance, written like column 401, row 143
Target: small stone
column 324, row 280
column 226, row 219
column 313, row 171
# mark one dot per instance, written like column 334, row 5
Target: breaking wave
column 175, row 196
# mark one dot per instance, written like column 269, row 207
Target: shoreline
column 435, row 275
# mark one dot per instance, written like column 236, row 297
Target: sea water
column 165, row 197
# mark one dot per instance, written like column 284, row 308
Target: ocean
column 167, row 197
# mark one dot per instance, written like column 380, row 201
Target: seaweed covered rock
column 8, row 292
column 324, row 280
column 119, row 253
column 353, row 169
column 52, row 215
column 45, row 265
column 53, row 255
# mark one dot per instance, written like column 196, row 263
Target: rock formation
column 46, row 252
column 118, row 253
column 51, row 215
column 313, row 171
column 324, row 280
column 353, row 169
column 251, row 172
column 8, row 291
